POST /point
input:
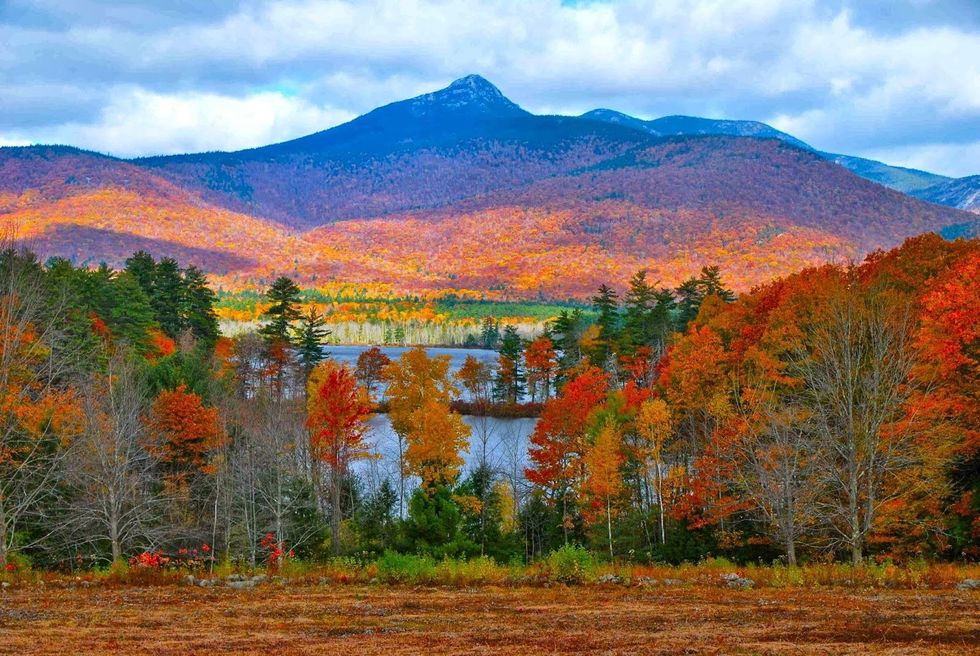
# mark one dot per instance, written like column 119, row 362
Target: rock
column 281, row 580
column 205, row 583
column 5, row 585
column 259, row 578
column 968, row 584
column 737, row 582
column 234, row 577
column 646, row 581
column 610, row 579
column 241, row 585
column 673, row 582
column 190, row 580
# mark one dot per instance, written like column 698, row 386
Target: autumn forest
column 828, row 415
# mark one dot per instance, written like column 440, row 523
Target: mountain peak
column 472, row 93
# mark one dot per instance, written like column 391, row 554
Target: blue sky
column 896, row 80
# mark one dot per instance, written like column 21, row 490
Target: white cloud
column 820, row 72
column 956, row 160
column 137, row 122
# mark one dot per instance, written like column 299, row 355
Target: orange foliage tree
column 559, row 440
column 338, row 410
column 184, row 434
column 542, row 365
column 603, row 478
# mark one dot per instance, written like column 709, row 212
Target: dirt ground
column 354, row 620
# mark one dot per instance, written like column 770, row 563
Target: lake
column 348, row 354
column 501, row 443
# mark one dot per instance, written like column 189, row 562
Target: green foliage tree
column 310, row 337
column 283, row 311
column 435, row 524
column 606, row 304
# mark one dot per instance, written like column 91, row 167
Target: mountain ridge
column 463, row 189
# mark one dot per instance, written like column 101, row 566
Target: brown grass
column 354, row 620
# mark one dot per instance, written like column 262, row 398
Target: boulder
column 737, row 582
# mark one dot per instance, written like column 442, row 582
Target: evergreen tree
column 127, row 310
column 375, row 519
column 490, row 333
column 142, row 266
column 606, row 304
column 435, row 523
column 711, row 284
column 310, row 337
column 169, row 298
column 511, row 379
column 693, row 291
column 284, row 296
column 638, row 325
column 483, row 526
column 200, row 316
column 565, row 331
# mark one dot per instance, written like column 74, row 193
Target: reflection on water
column 348, row 354
column 501, row 443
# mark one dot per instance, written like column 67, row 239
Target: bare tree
column 858, row 362
column 35, row 400
column 777, row 471
column 110, row 471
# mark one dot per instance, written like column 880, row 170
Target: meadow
column 411, row 605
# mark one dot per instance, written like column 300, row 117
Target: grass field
column 391, row 620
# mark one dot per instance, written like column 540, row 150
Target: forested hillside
column 462, row 190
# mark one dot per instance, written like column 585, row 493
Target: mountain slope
column 92, row 208
column 423, row 152
column 463, row 189
column 895, row 177
column 675, row 126
column 962, row 193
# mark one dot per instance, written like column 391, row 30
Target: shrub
column 475, row 571
column 570, row 564
column 405, row 568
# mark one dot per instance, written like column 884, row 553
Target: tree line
column 832, row 413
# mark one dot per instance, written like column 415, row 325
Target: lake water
column 501, row 443
column 348, row 354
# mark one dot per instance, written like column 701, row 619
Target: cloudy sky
column 896, row 80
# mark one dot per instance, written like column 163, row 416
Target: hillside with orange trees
column 463, row 191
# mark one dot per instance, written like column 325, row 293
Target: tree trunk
column 609, row 527
column 660, row 504
column 3, row 533
column 114, row 538
column 790, row 551
column 335, row 491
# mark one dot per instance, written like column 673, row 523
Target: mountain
column 91, row 208
column 962, row 193
column 895, row 177
column 674, row 126
column 461, row 189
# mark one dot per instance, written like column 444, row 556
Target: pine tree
column 511, row 377
column 200, row 316
column 310, row 337
column 565, row 331
column 142, row 266
column 490, row 333
column 284, row 296
column 168, row 297
column 606, row 304
column 638, row 326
